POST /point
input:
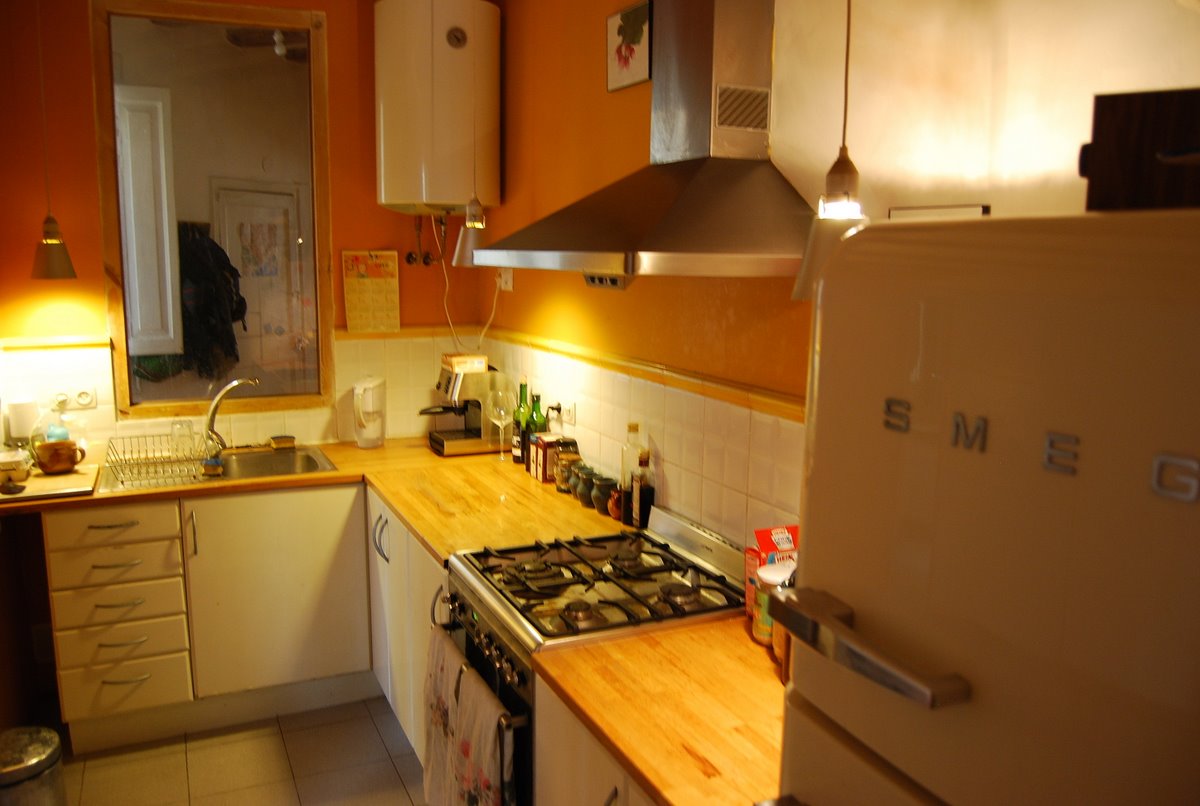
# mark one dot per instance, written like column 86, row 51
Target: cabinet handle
column 114, row 566
column 612, row 797
column 375, row 534
column 122, row 525
column 119, row 644
column 385, row 525
column 195, row 528
column 119, row 605
column 132, row 681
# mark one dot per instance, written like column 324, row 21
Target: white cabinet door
column 276, row 584
column 379, row 553
column 569, row 764
column 406, row 581
column 425, row 575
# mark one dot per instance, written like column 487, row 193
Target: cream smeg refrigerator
column 1000, row 598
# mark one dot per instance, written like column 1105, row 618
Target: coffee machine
column 463, row 384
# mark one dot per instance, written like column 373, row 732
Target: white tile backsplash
column 732, row 469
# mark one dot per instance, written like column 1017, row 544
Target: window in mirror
column 213, row 132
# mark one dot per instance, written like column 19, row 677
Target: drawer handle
column 114, row 566
column 119, row 644
column 132, row 603
column 133, row 681
column 123, row 525
column 612, row 797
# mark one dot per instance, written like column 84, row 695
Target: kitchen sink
column 240, row 464
column 254, row 464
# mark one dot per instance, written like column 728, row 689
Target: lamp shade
column 52, row 261
column 469, row 239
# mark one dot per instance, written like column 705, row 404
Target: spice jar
column 769, row 577
column 562, row 474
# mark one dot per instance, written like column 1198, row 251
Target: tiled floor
column 350, row 755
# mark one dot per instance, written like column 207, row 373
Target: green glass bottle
column 536, row 424
column 520, row 415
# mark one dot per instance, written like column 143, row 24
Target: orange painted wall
column 566, row 135
column 31, row 308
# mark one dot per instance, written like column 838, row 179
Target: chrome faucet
column 211, row 437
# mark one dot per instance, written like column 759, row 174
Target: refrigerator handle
column 826, row 624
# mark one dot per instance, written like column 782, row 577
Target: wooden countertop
column 467, row 502
column 694, row 713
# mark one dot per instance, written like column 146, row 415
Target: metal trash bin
column 30, row 768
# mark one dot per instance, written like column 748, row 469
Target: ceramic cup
column 59, row 456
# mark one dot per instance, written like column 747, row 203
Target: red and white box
column 772, row 545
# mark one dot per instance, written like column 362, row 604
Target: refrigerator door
column 1003, row 484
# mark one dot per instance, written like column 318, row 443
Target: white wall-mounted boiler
column 437, row 104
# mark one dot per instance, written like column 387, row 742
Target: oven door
column 515, row 728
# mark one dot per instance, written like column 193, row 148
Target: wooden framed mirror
column 212, row 123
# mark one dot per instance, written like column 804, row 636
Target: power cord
column 440, row 228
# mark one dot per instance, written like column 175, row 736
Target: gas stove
column 513, row 602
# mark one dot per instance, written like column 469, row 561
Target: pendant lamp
column 470, row 237
column 840, row 199
column 51, row 261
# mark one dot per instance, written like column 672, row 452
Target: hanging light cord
column 846, row 77
column 439, row 227
column 42, row 92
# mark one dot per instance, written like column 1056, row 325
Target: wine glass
column 499, row 408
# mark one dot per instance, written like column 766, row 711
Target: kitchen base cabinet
column 569, row 763
column 404, row 578
column 118, row 608
column 275, row 583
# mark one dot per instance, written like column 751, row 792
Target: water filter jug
column 370, row 411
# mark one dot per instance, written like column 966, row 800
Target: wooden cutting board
column 79, row 481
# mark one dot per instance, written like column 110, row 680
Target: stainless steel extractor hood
column 710, row 204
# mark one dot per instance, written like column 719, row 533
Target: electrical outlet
column 505, row 278
column 568, row 413
column 76, row 398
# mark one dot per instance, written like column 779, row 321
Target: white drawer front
column 125, row 640
column 106, row 565
column 122, row 523
column 103, row 690
column 83, row 607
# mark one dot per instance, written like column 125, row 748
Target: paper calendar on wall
column 372, row 286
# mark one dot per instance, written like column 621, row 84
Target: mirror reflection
column 214, row 178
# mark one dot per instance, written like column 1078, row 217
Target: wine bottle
column 536, row 424
column 520, row 415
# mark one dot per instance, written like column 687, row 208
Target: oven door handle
column 439, row 597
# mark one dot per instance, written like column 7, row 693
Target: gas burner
column 532, row 570
column 679, row 593
column 581, row 613
column 628, row 557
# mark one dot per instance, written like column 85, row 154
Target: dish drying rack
column 155, row 460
